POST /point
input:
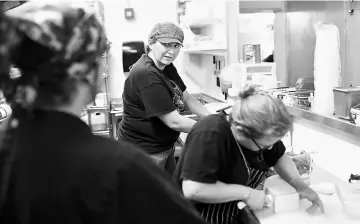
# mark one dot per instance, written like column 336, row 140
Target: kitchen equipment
column 354, row 178
column 98, row 119
column 252, row 53
column 355, row 114
column 305, row 83
column 263, row 74
column 344, row 99
column 349, row 195
column 231, row 76
column 324, row 188
column 132, row 51
column 284, row 197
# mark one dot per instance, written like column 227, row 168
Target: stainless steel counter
column 330, row 122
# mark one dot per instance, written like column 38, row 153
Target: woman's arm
column 177, row 122
column 218, row 192
column 194, row 105
column 286, row 168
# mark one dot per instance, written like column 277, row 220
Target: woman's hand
column 306, row 192
column 314, row 198
column 256, row 199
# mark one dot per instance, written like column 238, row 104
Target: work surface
column 333, row 207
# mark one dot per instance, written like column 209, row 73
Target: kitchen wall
column 352, row 41
column 147, row 14
column 301, row 17
column 254, row 29
column 118, row 29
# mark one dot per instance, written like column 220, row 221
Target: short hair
column 258, row 113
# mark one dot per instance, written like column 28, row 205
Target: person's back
column 64, row 174
column 52, row 168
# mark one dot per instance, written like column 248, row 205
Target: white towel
column 327, row 67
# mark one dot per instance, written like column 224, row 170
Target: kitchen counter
column 333, row 207
column 330, row 122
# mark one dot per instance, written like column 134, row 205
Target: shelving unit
column 205, row 56
column 104, row 129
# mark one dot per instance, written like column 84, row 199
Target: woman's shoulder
column 143, row 73
column 213, row 122
column 142, row 68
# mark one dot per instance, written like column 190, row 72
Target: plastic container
column 96, row 118
column 344, row 99
column 304, row 164
column 349, row 195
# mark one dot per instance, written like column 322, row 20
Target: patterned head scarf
column 74, row 34
column 77, row 40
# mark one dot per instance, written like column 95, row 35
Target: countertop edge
column 343, row 126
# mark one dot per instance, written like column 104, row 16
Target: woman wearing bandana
column 52, row 168
column 226, row 157
column 154, row 97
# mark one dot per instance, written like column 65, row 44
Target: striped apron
column 226, row 213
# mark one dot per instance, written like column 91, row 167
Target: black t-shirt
column 211, row 154
column 64, row 174
column 147, row 95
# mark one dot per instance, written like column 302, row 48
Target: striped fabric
column 226, row 213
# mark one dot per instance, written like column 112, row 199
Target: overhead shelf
column 199, row 23
column 209, row 51
column 255, row 6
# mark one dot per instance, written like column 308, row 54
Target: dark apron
column 226, row 213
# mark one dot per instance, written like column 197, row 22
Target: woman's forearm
column 184, row 124
column 287, row 170
column 218, row 192
column 177, row 122
column 195, row 106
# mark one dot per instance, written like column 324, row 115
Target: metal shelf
column 102, row 133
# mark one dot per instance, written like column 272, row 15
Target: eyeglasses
column 260, row 157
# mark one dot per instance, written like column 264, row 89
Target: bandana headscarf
column 74, row 34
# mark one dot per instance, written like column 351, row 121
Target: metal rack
column 103, row 109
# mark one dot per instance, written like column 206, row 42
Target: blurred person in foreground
column 52, row 168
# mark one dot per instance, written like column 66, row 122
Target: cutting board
column 213, row 107
column 333, row 214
